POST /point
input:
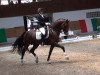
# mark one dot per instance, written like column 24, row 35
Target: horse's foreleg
column 52, row 47
column 32, row 51
column 50, row 51
column 60, row 46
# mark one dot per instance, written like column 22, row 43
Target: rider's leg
column 43, row 39
column 43, row 31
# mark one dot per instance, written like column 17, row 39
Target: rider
column 42, row 19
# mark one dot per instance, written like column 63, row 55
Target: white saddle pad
column 42, row 29
column 39, row 34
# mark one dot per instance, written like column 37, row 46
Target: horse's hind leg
column 22, row 53
column 32, row 51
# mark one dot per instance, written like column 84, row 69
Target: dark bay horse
column 29, row 38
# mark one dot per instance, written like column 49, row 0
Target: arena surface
column 84, row 59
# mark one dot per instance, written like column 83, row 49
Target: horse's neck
column 56, row 29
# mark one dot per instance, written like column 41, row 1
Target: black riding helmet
column 40, row 10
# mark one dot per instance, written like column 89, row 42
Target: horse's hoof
column 36, row 60
column 67, row 58
column 22, row 63
column 65, row 53
column 49, row 62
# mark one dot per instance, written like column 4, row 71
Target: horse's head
column 63, row 24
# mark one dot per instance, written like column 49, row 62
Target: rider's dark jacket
column 42, row 20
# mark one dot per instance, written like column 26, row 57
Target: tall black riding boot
column 43, row 39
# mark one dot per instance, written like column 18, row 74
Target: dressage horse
column 29, row 38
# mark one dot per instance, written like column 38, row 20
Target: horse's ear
column 67, row 21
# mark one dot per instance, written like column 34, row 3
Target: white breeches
column 42, row 30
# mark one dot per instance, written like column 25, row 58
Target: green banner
column 2, row 36
column 94, row 24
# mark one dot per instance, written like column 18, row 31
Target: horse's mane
column 60, row 20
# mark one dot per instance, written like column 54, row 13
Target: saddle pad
column 38, row 35
column 42, row 29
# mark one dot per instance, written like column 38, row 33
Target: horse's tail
column 18, row 44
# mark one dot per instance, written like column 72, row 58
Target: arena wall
column 79, row 21
column 10, row 28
